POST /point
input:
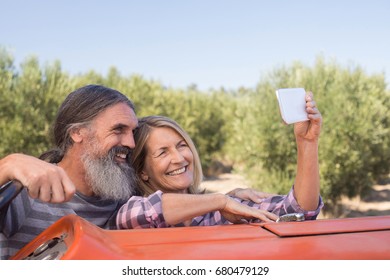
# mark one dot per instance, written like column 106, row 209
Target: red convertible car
column 73, row 238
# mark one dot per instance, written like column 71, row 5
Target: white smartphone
column 292, row 217
column 292, row 104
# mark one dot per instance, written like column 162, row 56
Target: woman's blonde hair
column 141, row 135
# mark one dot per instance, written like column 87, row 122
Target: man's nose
column 128, row 141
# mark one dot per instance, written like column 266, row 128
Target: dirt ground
column 376, row 203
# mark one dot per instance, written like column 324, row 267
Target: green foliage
column 242, row 127
column 29, row 101
column 354, row 144
column 262, row 146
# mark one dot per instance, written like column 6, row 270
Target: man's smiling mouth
column 120, row 154
column 123, row 156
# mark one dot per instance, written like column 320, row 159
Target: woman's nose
column 177, row 156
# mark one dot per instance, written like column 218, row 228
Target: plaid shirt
column 146, row 212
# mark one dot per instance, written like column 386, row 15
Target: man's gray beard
column 109, row 179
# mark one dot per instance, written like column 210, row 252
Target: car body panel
column 329, row 239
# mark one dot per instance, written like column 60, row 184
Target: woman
column 166, row 163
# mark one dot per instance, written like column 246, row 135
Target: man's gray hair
column 79, row 109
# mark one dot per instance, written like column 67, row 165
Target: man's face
column 107, row 148
column 114, row 128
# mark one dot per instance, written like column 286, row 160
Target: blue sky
column 210, row 43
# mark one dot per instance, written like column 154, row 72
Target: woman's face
column 169, row 161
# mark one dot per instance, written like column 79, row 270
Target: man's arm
column 43, row 180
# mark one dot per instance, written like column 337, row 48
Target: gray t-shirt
column 26, row 218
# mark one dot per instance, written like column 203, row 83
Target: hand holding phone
column 292, row 104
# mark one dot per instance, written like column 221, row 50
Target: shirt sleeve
column 142, row 212
column 209, row 219
column 16, row 213
column 285, row 204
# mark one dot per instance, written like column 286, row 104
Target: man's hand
column 43, row 180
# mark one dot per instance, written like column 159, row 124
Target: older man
column 91, row 177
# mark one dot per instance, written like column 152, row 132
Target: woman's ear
column 144, row 176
